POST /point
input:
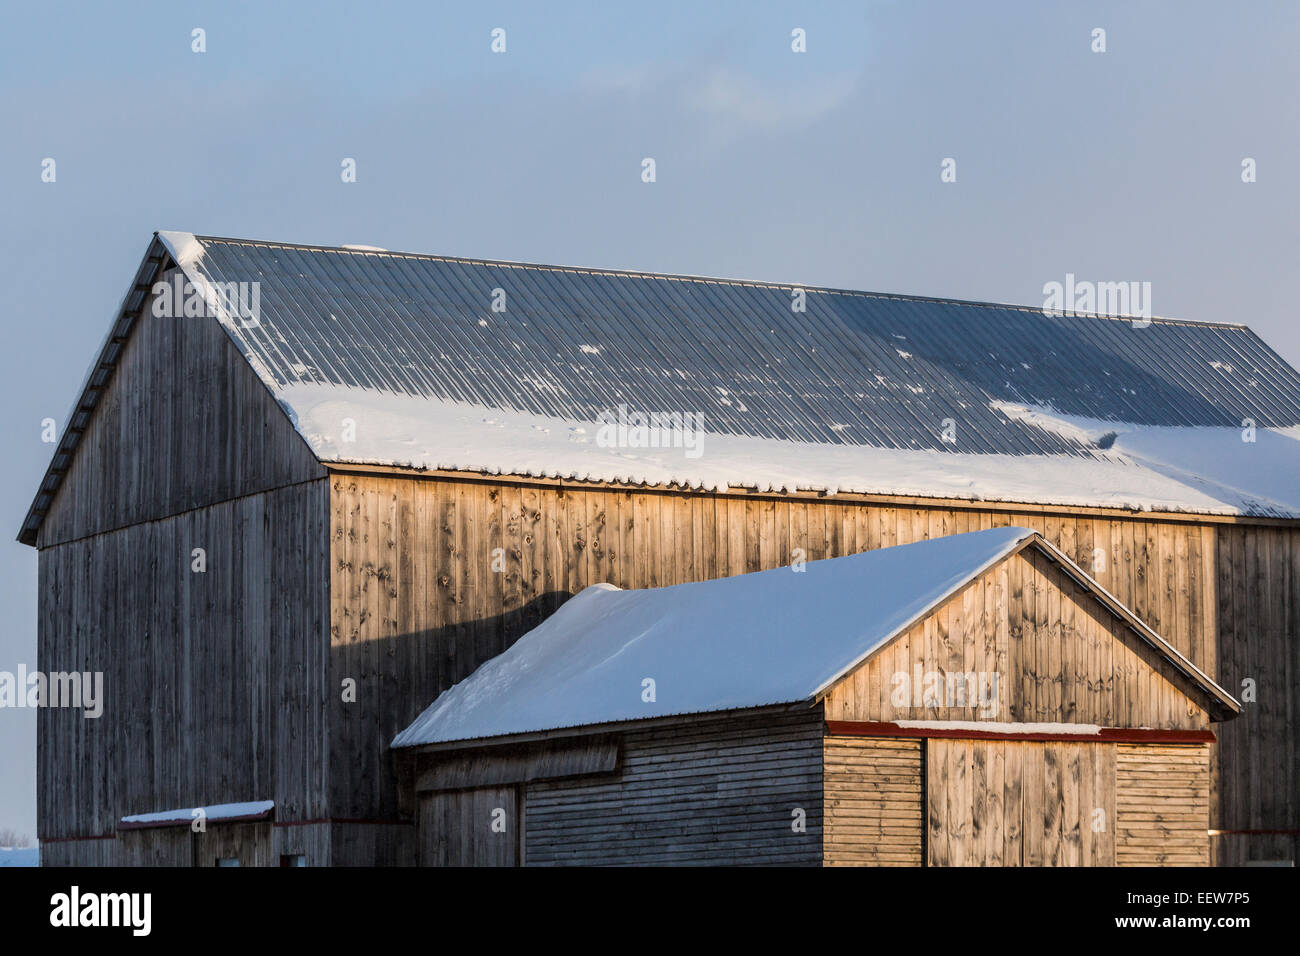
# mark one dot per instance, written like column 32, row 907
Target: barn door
column 1019, row 803
column 480, row 827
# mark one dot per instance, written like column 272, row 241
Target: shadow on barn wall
column 1257, row 642
column 396, row 679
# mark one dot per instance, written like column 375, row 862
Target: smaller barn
column 975, row 699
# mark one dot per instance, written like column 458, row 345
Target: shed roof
column 753, row 640
column 507, row 368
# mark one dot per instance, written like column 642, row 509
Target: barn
column 889, row 708
column 306, row 490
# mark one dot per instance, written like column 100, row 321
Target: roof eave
column 96, row 382
column 1220, row 704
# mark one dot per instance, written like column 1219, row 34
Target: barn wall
column 873, row 792
column 1227, row 596
column 1162, row 811
column 178, row 846
column 1058, row 655
column 720, row 791
column 213, row 682
column 108, row 851
column 1255, row 768
column 373, row 842
column 249, row 843
column 185, row 422
column 294, row 838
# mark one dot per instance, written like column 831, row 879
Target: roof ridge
column 719, row 280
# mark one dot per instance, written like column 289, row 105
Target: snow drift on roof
column 773, row 637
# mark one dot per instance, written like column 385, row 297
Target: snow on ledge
column 217, row 813
column 1002, row 727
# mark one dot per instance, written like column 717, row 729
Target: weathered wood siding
column 184, row 423
column 1040, row 649
column 250, row 844
column 709, row 790
column 417, row 601
column 873, row 802
column 478, row 827
column 213, row 683
column 1162, row 805
column 1255, row 767
column 1019, row 803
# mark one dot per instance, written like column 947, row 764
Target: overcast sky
column 820, row 168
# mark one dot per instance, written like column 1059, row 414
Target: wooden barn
column 891, row 708
column 304, row 491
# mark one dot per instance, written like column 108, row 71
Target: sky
column 820, row 167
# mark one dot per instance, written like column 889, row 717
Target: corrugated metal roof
column 855, row 368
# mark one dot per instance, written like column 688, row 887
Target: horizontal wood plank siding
column 717, row 791
column 1162, row 813
column 874, row 798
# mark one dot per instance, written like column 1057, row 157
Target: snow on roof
column 1153, row 468
column 773, row 637
column 506, row 368
column 217, row 813
column 184, row 247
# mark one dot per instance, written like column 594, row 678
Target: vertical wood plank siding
column 718, row 791
column 184, row 423
column 873, row 802
column 432, row 542
column 1016, row 803
column 213, row 682
column 477, row 827
column 1071, row 663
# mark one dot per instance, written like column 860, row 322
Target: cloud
column 738, row 104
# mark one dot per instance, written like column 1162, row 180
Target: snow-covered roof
column 773, row 637
column 435, row 362
column 216, row 813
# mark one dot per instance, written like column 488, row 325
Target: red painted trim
column 863, row 728
column 74, row 839
column 356, row 820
